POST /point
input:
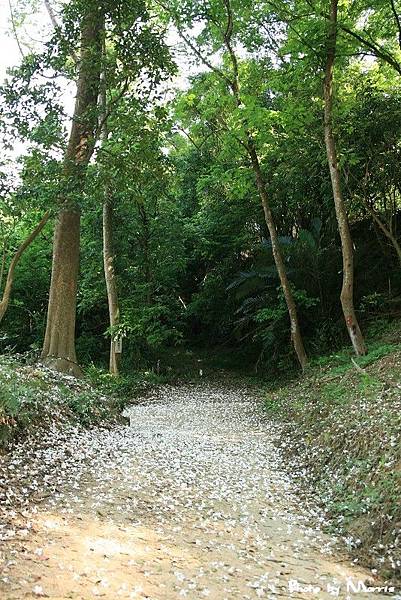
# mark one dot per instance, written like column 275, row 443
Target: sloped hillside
column 342, row 437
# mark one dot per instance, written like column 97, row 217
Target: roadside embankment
column 342, row 438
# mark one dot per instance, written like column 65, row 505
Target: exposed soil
column 190, row 501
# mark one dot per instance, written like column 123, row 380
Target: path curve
column 190, row 501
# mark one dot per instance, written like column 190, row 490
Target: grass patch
column 342, row 427
column 123, row 388
column 33, row 397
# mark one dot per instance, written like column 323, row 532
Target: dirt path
column 188, row 502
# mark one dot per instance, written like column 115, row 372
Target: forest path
column 190, row 501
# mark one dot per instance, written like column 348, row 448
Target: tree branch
column 190, row 138
column 10, row 275
column 111, row 105
column 14, row 26
column 205, row 60
column 397, row 20
column 377, row 50
column 57, row 27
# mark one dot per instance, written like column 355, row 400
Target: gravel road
column 191, row 500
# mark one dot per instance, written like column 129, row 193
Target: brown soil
column 168, row 520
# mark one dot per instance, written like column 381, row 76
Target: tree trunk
column 10, row 275
column 347, row 292
column 59, row 344
column 146, row 252
column 385, row 230
column 108, row 246
column 234, row 84
column 111, row 286
column 278, row 259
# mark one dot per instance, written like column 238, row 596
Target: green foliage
column 193, row 257
column 33, row 397
column 197, row 283
column 343, row 424
column 124, row 388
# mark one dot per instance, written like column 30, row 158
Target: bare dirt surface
column 190, row 501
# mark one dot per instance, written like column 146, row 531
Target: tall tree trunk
column 278, row 259
column 108, row 245
column 111, row 285
column 59, row 344
column 15, row 260
column 234, row 84
column 347, row 291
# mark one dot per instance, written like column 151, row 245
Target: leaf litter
column 192, row 500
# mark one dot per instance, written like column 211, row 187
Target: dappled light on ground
column 190, row 501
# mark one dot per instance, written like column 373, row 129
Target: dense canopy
column 228, row 179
